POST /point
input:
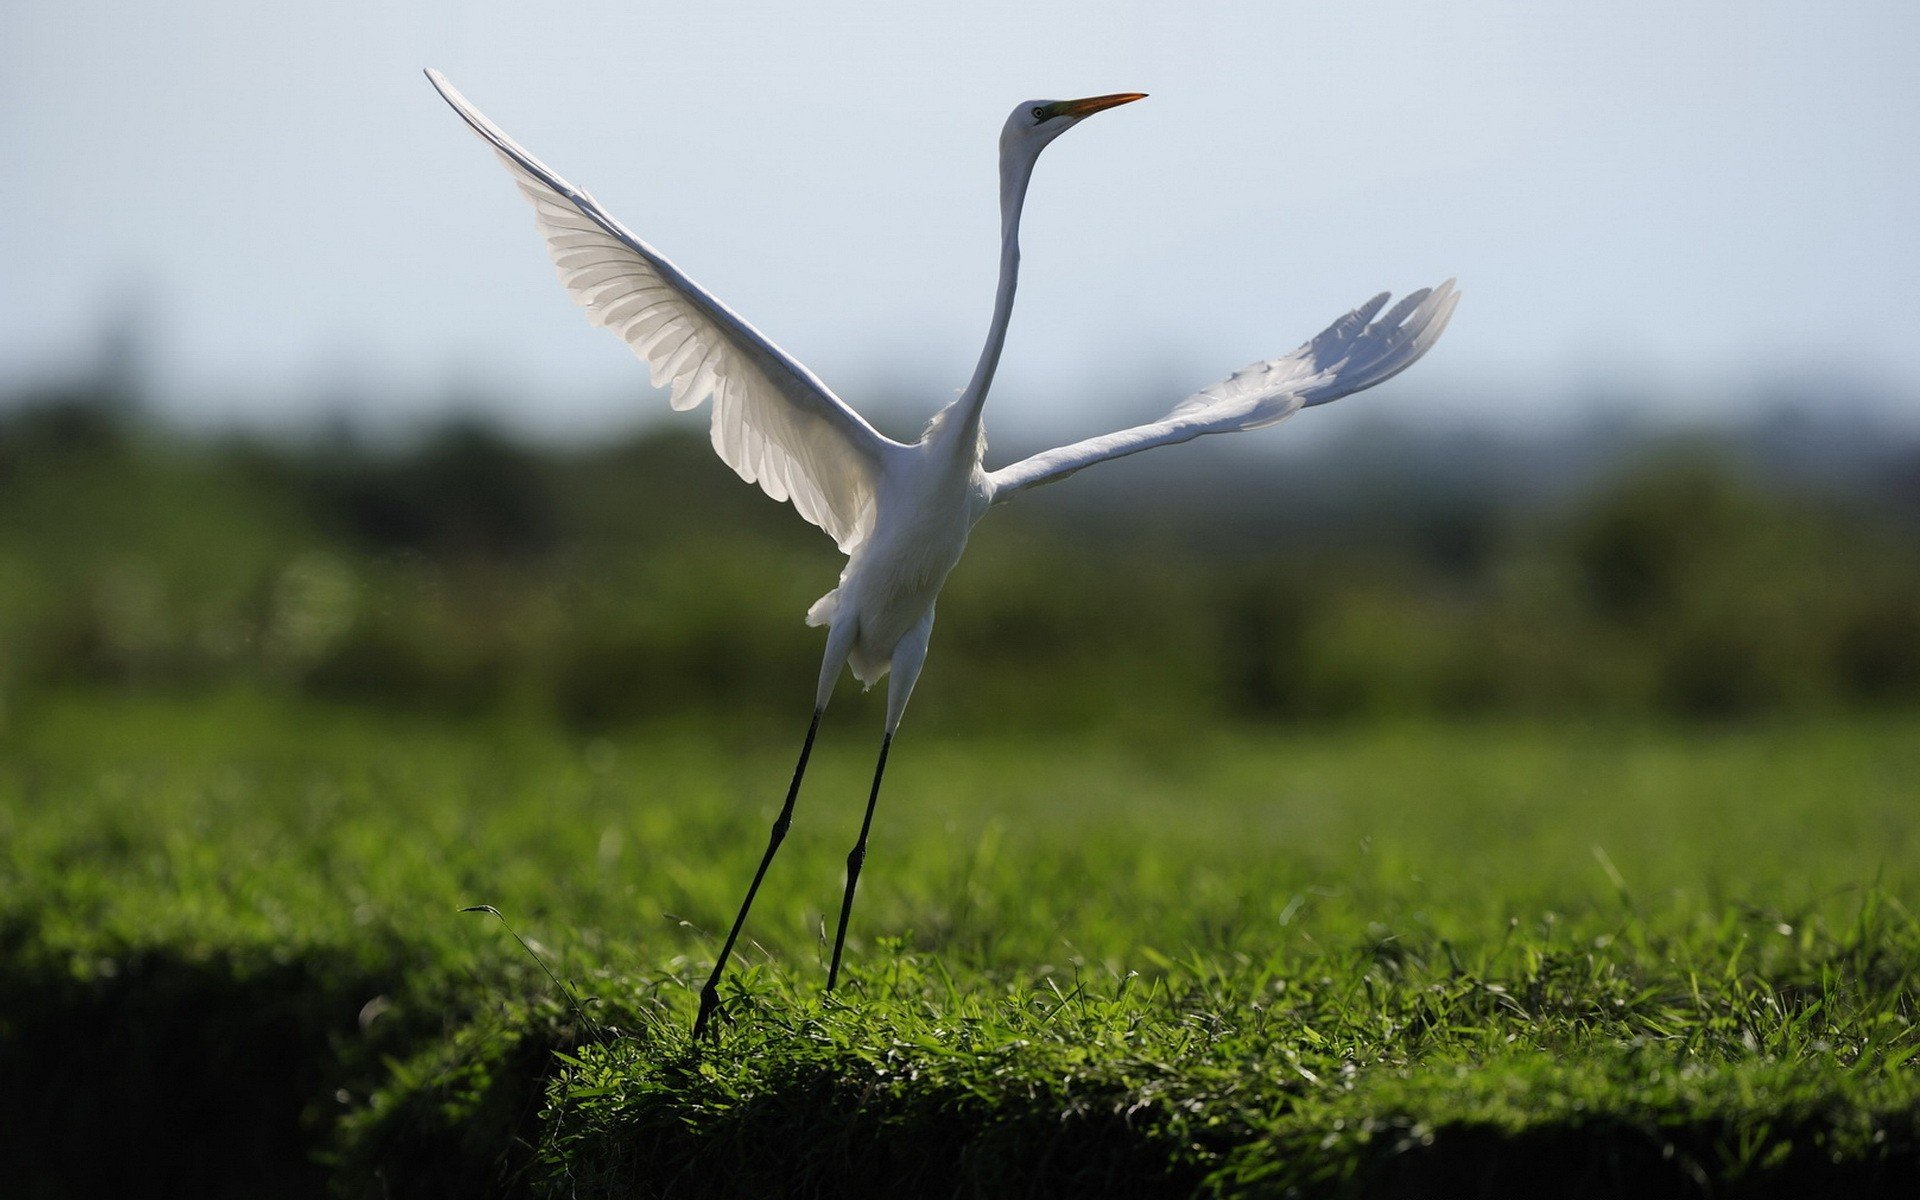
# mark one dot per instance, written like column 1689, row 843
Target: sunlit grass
column 1257, row 958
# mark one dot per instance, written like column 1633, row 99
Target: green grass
column 1401, row 960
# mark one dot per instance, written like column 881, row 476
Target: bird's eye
column 1039, row 113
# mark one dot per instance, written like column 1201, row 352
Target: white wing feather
column 1353, row 353
column 774, row 422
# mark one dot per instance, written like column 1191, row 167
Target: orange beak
column 1093, row 104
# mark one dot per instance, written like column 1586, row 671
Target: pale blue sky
column 1698, row 200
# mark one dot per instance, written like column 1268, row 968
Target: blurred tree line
column 468, row 572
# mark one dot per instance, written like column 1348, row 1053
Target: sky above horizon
column 1697, row 204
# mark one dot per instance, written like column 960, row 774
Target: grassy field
column 1394, row 960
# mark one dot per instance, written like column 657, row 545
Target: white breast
column 892, row 581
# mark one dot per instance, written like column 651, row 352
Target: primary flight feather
column 901, row 512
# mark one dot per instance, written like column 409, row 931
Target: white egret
column 900, row 512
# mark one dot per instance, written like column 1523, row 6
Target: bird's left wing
column 1353, row 353
column 773, row 421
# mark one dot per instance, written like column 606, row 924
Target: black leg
column 710, row 994
column 854, row 859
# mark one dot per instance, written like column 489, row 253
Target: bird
column 901, row 512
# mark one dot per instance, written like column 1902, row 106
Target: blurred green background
column 1706, row 575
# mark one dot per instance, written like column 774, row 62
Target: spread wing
column 773, row 421
column 1353, row 353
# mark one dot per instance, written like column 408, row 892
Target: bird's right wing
column 773, row 421
column 1353, row 353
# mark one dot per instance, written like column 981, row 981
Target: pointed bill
column 1093, row 104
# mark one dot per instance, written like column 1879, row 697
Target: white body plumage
column 882, row 609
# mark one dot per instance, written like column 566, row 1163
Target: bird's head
column 1034, row 123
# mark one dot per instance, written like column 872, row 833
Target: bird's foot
column 709, row 1008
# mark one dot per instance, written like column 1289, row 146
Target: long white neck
column 961, row 422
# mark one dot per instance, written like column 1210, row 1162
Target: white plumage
column 773, row 421
column 1351, row 354
column 901, row 512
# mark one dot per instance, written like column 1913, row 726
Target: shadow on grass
column 818, row 1133
column 1605, row 1160
column 221, row 1074
column 164, row 1077
column 212, row 1073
